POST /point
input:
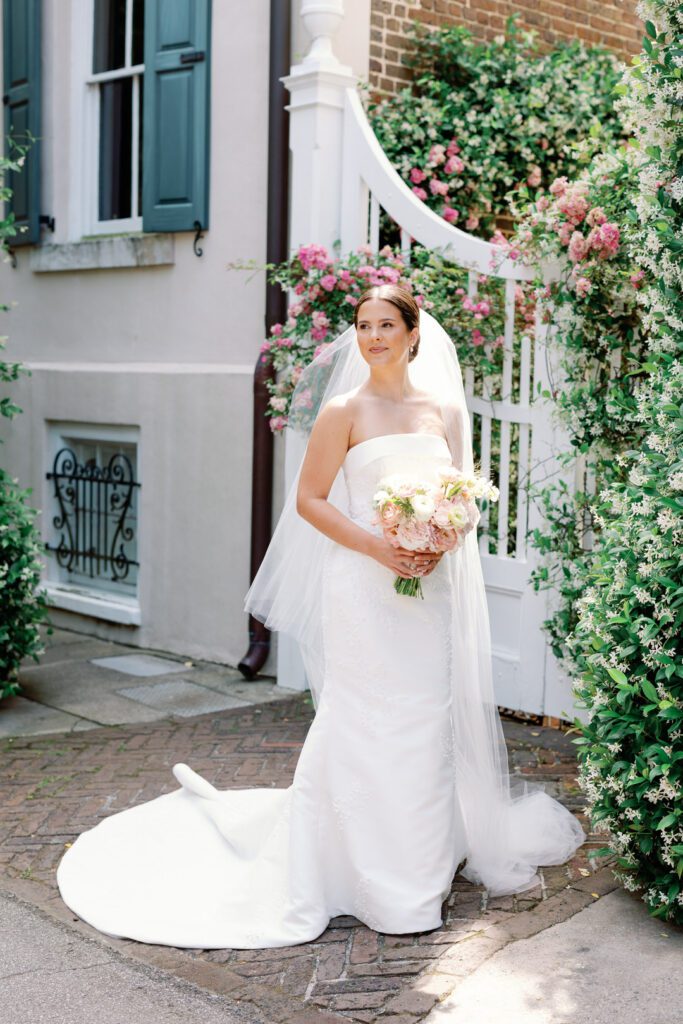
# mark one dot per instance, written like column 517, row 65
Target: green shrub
column 620, row 616
column 22, row 608
column 627, row 642
column 627, row 649
column 22, row 604
column 482, row 118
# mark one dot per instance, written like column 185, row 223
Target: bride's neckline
column 380, row 437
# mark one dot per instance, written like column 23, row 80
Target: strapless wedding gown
column 370, row 825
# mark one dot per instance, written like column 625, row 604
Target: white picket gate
column 327, row 114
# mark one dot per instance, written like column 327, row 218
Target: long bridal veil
column 512, row 825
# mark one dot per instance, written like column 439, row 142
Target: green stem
column 411, row 587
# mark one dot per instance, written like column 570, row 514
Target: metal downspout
column 275, row 312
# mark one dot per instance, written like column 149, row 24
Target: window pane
column 138, row 31
column 116, row 134
column 109, row 44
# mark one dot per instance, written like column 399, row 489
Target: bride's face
column 383, row 337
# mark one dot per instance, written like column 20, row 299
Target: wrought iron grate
column 95, row 521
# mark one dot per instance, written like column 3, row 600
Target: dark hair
column 399, row 297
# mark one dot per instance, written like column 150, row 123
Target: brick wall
column 610, row 23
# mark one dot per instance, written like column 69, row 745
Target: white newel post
column 316, row 123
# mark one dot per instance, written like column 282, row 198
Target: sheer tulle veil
column 512, row 825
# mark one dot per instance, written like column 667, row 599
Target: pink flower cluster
column 581, row 228
column 503, row 248
column 379, row 275
column 571, row 200
column 444, row 157
column 314, row 256
column 572, row 205
column 479, row 310
column 321, row 324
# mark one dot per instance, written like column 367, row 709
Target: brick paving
column 56, row 786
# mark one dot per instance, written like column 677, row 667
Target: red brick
column 113, row 768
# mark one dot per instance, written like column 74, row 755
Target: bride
column 403, row 776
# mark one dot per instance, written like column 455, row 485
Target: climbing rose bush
column 326, row 287
column 480, row 119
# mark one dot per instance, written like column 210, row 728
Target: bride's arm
column 326, row 450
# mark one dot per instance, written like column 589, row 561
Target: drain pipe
column 275, row 312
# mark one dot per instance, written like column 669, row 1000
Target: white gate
column 327, row 117
column 369, row 181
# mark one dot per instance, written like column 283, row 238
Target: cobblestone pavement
column 59, row 785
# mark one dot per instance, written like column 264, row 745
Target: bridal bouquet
column 429, row 516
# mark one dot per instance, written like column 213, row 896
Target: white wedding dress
column 370, row 825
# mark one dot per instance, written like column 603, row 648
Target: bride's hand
column 403, row 562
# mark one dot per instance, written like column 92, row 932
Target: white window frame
column 85, row 122
column 78, row 597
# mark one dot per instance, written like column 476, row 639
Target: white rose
column 457, row 517
column 423, row 507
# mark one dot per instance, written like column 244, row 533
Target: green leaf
column 649, row 691
column 668, row 821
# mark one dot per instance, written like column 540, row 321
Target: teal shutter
column 175, row 188
column 21, row 98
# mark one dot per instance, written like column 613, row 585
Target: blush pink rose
column 454, row 165
column 413, row 536
column 389, row 515
column 438, row 188
column 578, row 247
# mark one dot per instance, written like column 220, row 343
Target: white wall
column 169, row 349
column 179, row 343
column 195, row 311
column 194, row 462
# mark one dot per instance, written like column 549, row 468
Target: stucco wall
column 169, row 349
column 179, row 343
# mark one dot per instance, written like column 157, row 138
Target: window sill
column 153, row 250
column 99, row 605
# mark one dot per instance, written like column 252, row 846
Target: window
column 93, row 492
column 22, row 87
column 117, row 80
column 140, row 72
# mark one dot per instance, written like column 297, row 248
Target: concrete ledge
column 104, row 606
column 104, row 253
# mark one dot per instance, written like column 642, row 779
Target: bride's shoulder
column 343, row 404
column 336, row 415
column 346, row 397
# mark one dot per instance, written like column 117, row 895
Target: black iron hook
column 197, row 250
